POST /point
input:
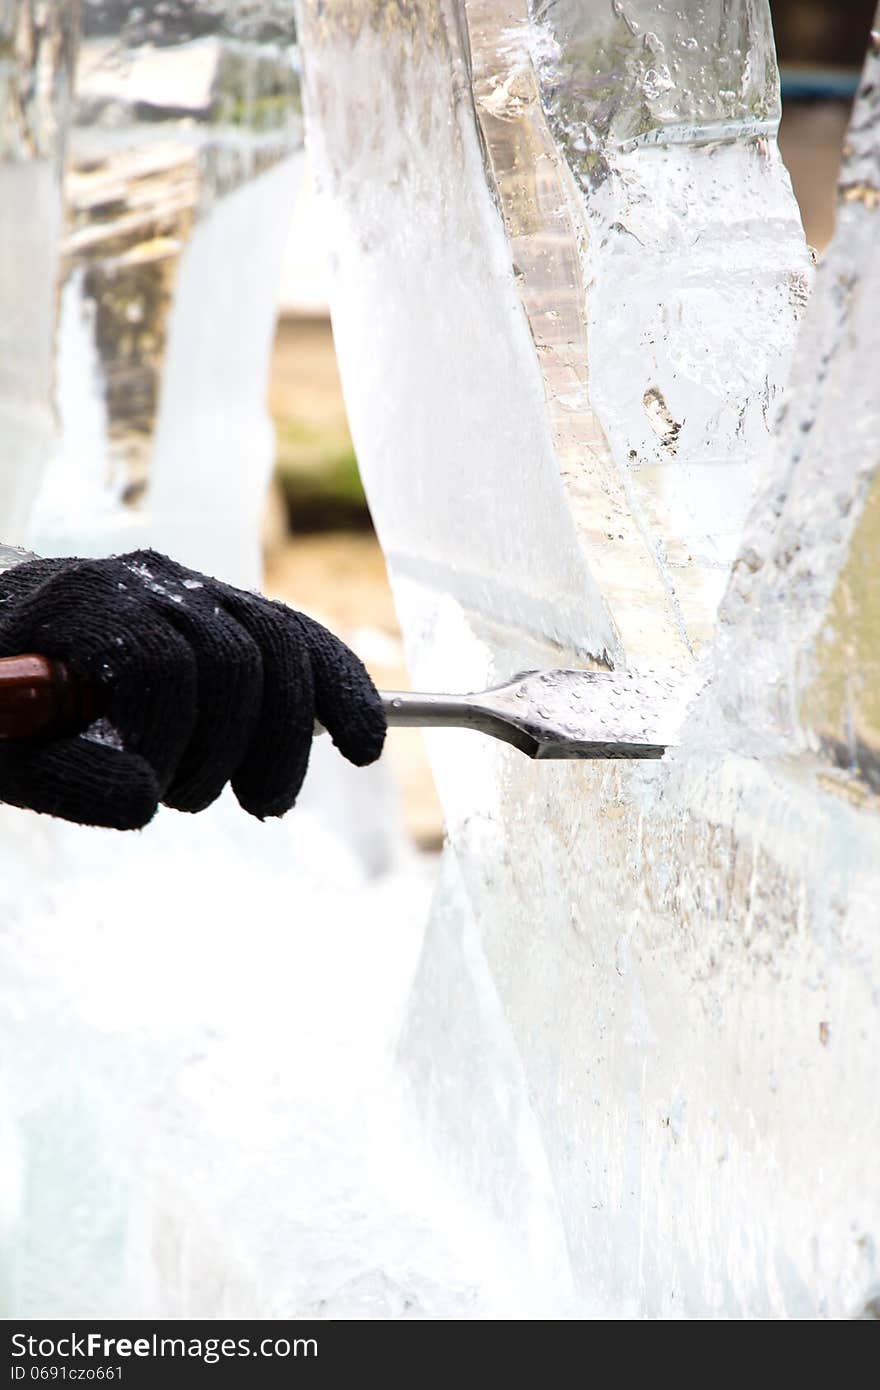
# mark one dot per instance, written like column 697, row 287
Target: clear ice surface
column 569, row 280
column 644, row 71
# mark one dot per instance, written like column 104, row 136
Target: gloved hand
column 201, row 684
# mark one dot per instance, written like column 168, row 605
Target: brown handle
column 41, row 696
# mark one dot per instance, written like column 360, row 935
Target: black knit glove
column 201, row 685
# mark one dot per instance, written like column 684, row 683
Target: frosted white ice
column 443, row 393
column 196, row 1082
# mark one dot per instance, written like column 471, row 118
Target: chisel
column 554, row 713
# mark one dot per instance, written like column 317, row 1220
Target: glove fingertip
column 346, row 701
column 270, row 779
column 258, row 807
column 138, row 810
column 359, row 732
column 78, row 780
column 118, row 791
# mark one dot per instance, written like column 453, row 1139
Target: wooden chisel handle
column 41, row 696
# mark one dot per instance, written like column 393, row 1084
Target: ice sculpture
column 186, row 141
column 37, row 44
column 657, row 493
column 569, row 276
column 146, row 976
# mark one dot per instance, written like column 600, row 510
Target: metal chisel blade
column 561, row 713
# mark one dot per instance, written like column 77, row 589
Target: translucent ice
column 37, row 44
column 186, row 142
column 569, row 277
